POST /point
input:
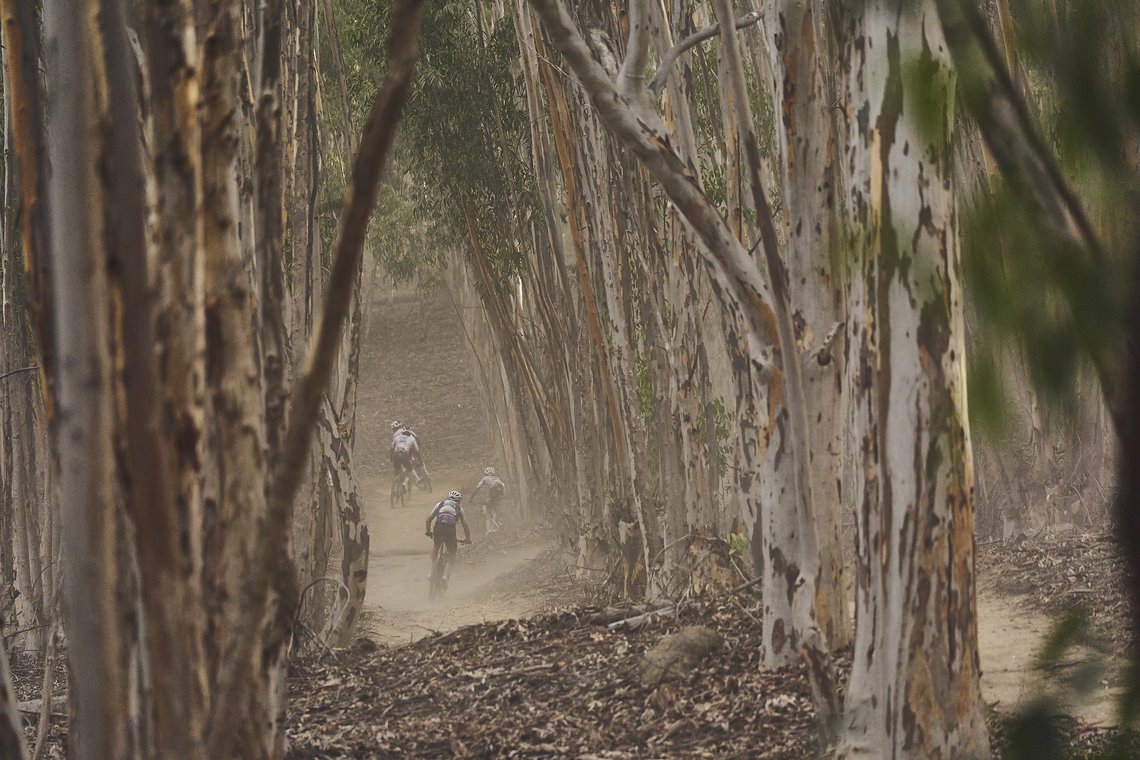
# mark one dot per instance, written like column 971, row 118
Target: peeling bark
column 914, row 688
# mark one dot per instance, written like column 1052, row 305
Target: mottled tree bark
column 914, row 688
column 807, row 175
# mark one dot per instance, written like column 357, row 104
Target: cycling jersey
column 447, row 512
column 493, row 485
column 403, row 439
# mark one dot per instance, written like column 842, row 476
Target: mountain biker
column 446, row 514
column 495, row 489
column 405, row 451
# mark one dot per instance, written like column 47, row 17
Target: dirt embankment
column 414, row 367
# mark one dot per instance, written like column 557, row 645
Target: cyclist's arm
column 466, row 530
column 427, row 525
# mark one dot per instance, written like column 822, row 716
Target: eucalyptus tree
column 27, row 391
column 761, row 325
column 914, row 689
column 179, row 458
column 797, row 37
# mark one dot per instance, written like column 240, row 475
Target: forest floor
column 560, row 683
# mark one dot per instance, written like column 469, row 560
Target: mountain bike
column 489, row 518
column 437, row 582
column 424, row 482
column 401, row 487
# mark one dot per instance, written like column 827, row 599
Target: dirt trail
column 400, row 563
column 415, row 368
column 1012, row 632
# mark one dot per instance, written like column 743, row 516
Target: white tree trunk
column 807, row 149
column 914, row 689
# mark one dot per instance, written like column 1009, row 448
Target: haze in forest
column 482, row 378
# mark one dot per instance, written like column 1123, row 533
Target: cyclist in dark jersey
column 446, row 514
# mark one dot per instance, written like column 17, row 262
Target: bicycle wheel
column 400, row 489
column 437, row 584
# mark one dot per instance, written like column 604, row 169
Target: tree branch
column 694, row 39
column 632, row 73
column 734, row 273
column 11, row 372
column 993, row 100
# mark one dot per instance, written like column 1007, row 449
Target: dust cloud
column 398, row 609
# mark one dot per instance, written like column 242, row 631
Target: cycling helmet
column 396, row 425
column 455, row 496
column 489, row 471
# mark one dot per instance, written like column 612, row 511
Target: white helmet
column 455, row 496
column 396, row 425
column 489, row 471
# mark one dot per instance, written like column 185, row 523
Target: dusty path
column 400, row 610
column 415, row 368
column 1012, row 632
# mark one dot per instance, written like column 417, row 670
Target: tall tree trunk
column 24, row 99
column 86, row 404
column 914, row 688
column 807, row 149
column 271, row 578
column 161, row 463
column 354, row 539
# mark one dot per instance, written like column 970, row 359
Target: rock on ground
column 677, row 654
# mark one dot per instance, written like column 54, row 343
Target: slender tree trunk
column 807, row 149
column 24, row 99
column 354, row 537
column 85, row 443
column 233, row 377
